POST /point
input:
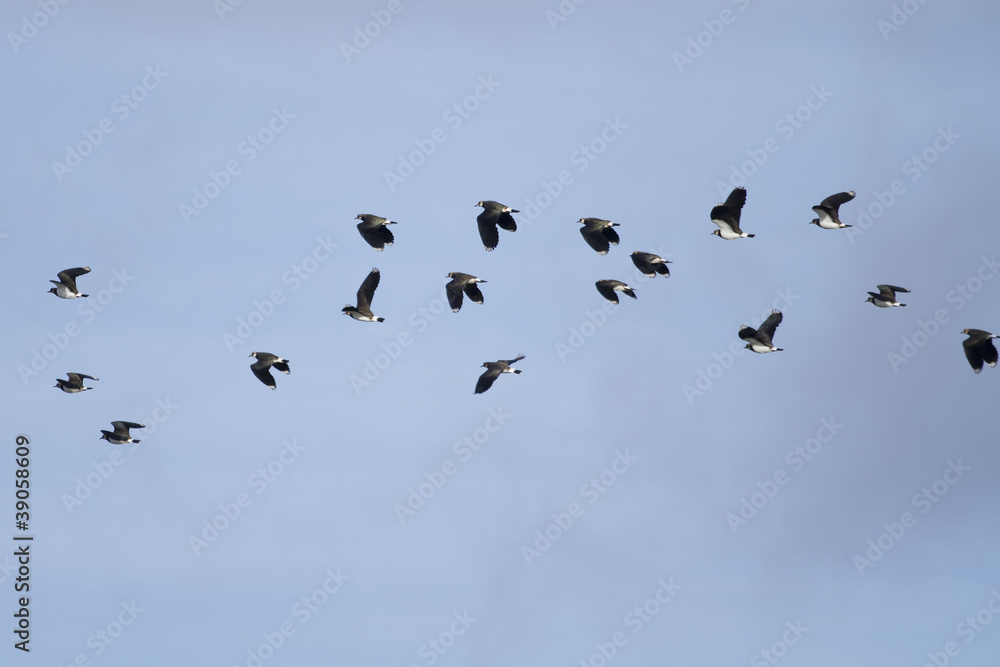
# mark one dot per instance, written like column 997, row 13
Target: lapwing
column 363, row 311
column 375, row 230
column 262, row 367
column 828, row 210
column 608, row 289
column 886, row 297
column 599, row 234
column 494, row 213
column 65, row 287
column 759, row 340
column 651, row 264
column 462, row 282
column 727, row 216
column 120, row 435
column 75, row 383
column 493, row 371
column 979, row 348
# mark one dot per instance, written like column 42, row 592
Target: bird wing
column 824, row 212
column 595, row 239
column 263, row 373
column 974, row 353
column 514, row 361
column 748, row 333
column 834, row 201
column 487, row 379
column 769, row 325
column 641, row 261
column 377, row 236
column 889, row 291
column 69, row 275
column 606, row 288
column 611, row 235
column 473, row 292
column 454, row 295
column 282, row 366
column 727, row 218
column 367, row 289
column 506, row 220
column 487, row 221
column 121, row 428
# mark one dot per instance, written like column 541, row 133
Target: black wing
column 487, row 379
column 889, row 291
column 834, row 201
column 454, row 296
column 596, row 239
column 367, row 290
column 770, row 324
column 748, row 333
column 487, row 221
column 377, row 237
column 473, row 292
column 606, row 288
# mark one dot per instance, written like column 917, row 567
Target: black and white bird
column 979, row 348
column 651, row 264
column 75, row 383
column 462, row 283
column 727, row 216
column 759, row 340
column 886, row 297
column 375, row 230
column 120, row 435
column 262, row 367
column 609, row 289
column 493, row 371
column 599, row 234
column 828, row 211
column 494, row 213
column 65, row 287
column 363, row 311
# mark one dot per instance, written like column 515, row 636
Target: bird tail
column 517, row 371
column 380, row 319
column 84, row 295
column 750, row 236
column 848, row 225
column 137, row 441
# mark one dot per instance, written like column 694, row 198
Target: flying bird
column 886, row 297
column 75, row 383
column 607, row 288
column 828, row 210
column 462, row 282
column 262, row 367
column 759, row 340
column 651, row 264
column 120, row 435
column 599, row 234
column 493, row 371
column 65, row 287
column 363, row 311
column 979, row 348
column 727, row 216
column 494, row 213
column 375, row 230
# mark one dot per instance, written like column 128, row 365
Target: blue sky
column 208, row 165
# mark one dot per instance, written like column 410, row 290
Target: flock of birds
column 598, row 233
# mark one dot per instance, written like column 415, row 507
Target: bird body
column 886, row 296
column 262, row 367
column 462, row 283
column 609, row 289
column 759, row 340
column 727, row 216
column 828, row 211
column 493, row 371
column 75, row 383
column 599, row 234
column 979, row 348
column 65, row 287
column 494, row 213
column 120, row 435
column 375, row 231
column 363, row 311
